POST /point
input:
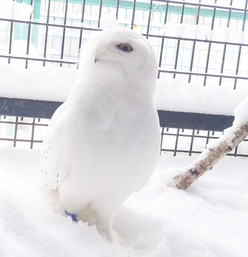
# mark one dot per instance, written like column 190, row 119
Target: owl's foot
column 73, row 216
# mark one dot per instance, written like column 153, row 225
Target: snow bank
column 47, row 83
column 174, row 96
column 222, row 3
column 54, row 84
column 204, row 33
column 16, row 11
column 31, row 223
column 208, row 219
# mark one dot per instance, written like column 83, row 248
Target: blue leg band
column 73, row 216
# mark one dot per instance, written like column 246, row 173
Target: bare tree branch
column 232, row 137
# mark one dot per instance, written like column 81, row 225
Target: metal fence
column 22, row 132
column 58, row 29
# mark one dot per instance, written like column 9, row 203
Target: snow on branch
column 232, row 137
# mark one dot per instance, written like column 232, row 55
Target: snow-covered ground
column 208, row 219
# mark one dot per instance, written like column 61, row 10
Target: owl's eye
column 125, row 47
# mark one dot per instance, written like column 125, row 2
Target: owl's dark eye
column 125, row 47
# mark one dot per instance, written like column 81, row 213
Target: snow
column 53, row 84
column 202, row 32
column 207, row 219
column 241, row 114
column 16, row 11
column 173, row 95
column 47, row 83
column 221, row 3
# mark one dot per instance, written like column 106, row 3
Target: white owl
column 103, row 142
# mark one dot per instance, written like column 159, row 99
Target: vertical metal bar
column 207, row 139
column 32, row 134
column 46, row 34
column 83, row 11
column 161, row 56
column 237, row 67
column 194, row 44
column 192, row 60
column 191, row 143
column 181, row 20
column 28, row 43
column 10, row 39
column 81, row 32
column 162, row 138
column 178, row 44
column 166, row 12
column 236, row 151
column 149, row 18
column 225, row 46
column 15, row 133
column 209, row 49
column 117, row 9
column 133, row 14
column 162, row 43
column 63, row 37
column 176, row 143
column 176, row 57
column 100, row 13
column 240, row 47
column 28, row 39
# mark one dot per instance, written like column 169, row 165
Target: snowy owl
column 103, row 141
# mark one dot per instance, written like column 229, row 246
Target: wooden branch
column 232, row 137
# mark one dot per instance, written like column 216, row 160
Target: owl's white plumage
column 103, row 142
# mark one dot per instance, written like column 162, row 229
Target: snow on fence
column 204, row 43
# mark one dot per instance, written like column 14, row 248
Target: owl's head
column 120, row 54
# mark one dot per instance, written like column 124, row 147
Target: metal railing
column 57, row 33
column 181, row 133
column 59, row 28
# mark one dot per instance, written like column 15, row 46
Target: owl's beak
column 99, row 55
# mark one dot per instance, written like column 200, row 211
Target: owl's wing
column 53, row 169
